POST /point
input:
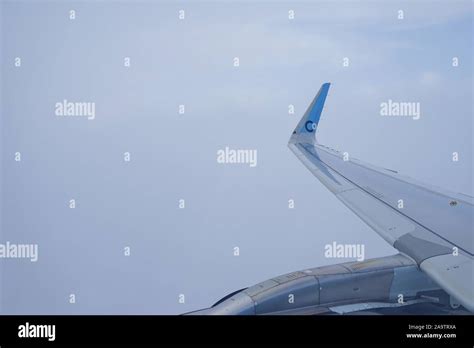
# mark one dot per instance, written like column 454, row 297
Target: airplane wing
column 432, row 226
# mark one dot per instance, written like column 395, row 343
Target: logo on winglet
column 310, row 126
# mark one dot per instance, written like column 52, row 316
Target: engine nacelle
column 389, row 280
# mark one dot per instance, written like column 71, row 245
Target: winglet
column 309, row 122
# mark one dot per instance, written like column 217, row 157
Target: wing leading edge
column 432, row 226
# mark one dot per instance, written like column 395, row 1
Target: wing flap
column 454, row 274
